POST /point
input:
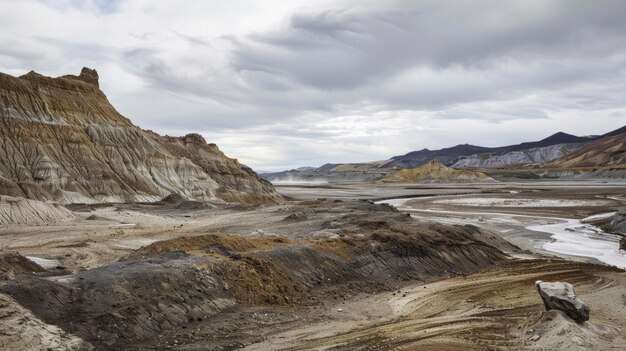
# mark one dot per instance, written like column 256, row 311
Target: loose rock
column 560, row 296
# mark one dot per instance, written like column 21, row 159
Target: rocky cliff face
column 62, row 140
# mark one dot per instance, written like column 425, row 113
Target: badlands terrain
column 333, row 267
column 117, row 238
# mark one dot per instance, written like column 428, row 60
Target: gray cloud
column 282, row 84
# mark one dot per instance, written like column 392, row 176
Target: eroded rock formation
column 434, row 171
column 62, row 140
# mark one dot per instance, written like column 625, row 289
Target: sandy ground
column 495, row 309
column 20, row 330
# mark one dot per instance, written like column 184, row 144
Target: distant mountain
column 558, row 138
column 533, row 154
column 434, row 172
column 553, row 147
column 446, row 156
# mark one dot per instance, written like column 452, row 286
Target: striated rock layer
column 434, row 171
column 62, row 140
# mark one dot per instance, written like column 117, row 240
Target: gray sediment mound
column 556, row 331
column 173, row 198
column 191, row 205
column 296, row 217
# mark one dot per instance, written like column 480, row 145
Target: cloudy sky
column 281, row 84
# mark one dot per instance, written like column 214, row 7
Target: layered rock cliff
column 62, row 140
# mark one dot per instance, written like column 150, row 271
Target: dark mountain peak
column 554, row 139
column 560, row 138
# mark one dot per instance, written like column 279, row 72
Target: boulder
column 560, row 296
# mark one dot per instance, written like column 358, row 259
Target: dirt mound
column 15, row 210
column 191, row 205
column 14, row 262
column 97, row 218
column 201, row 244
column 173, row 198
column 116, row 304
column 296, row 217
column 555, row 331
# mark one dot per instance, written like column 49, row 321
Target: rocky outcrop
column 62, row 140
column 434, row 171
column 560, row 296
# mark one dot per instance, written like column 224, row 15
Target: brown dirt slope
column 607, row 151
column 62, row 140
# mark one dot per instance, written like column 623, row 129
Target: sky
column 284, row 84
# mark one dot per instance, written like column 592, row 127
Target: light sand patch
column 504, row 202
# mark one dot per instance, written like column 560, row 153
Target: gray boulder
column 560, row 296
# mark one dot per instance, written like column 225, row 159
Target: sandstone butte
column 434, row 171
column 61, row 140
